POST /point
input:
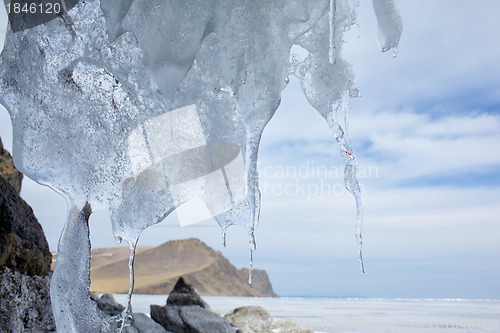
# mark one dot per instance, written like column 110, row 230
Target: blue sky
column 426, row 132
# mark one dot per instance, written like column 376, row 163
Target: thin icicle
column 126, row 316
column 390, row 24
column 131, row 274
column 331, row 51
column 252, row 246
column 350, row 179
column 359, row 228
column 352, row 186
column 250, row 267
column 224, row 233
column 394, row 52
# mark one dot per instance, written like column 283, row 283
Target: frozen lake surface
column 361, row 315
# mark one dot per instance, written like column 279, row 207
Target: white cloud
column 403, row 145
column 447, row 50
column 418, row 145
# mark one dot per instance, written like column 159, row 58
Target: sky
column 426, row 132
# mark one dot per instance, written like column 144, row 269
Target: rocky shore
column 186, row 312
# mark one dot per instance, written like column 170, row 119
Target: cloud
column 446, row 49
column 415, row 145
column 404, row 145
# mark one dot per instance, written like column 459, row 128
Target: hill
column 158, row 268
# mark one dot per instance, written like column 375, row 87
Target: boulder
column 8, row 170
column 186, row 312
column 23, row 247
column 184, row 294
column 199, row 320
column 140, row 322
column 255, row 319
column 291, row 326
column 107, row 304
column 169, row 317
column 251, row 319
column 190, row 319
column 143, row 324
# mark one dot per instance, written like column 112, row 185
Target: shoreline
column 328, row 315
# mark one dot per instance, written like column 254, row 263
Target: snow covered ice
column 138, row 106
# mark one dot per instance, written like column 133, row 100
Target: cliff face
column 260, row 280
column 8, row 170
column 24, row 261
column 23, row 246
column 157, row 270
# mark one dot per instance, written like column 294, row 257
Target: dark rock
column 199, row 320
column 140, row 322
column 143, row 324
column 25, row 303
column 190, row 319
column 8, row 170
column 186, row 312
column 23, row 246
column 107, row 304
column 169, row 317
column 24, row 267
column 184, row 294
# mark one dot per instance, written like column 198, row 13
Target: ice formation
column 137, row 106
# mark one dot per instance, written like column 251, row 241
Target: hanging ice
column 390, row 25
column 137, row 106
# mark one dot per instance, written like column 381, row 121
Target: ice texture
column 138, row 106
column 390, row 25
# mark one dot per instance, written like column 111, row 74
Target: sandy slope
column 158, row 268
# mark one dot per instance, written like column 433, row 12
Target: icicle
column 250, row 267
column 331, row 52
column 131, row 275
column 252, row 246
column 224, row 232
column 351, row 184
column 126, row 316
column 69, row 290
column 394, row 52
column 350, row 180
column 359, row 227
column 390, row 24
